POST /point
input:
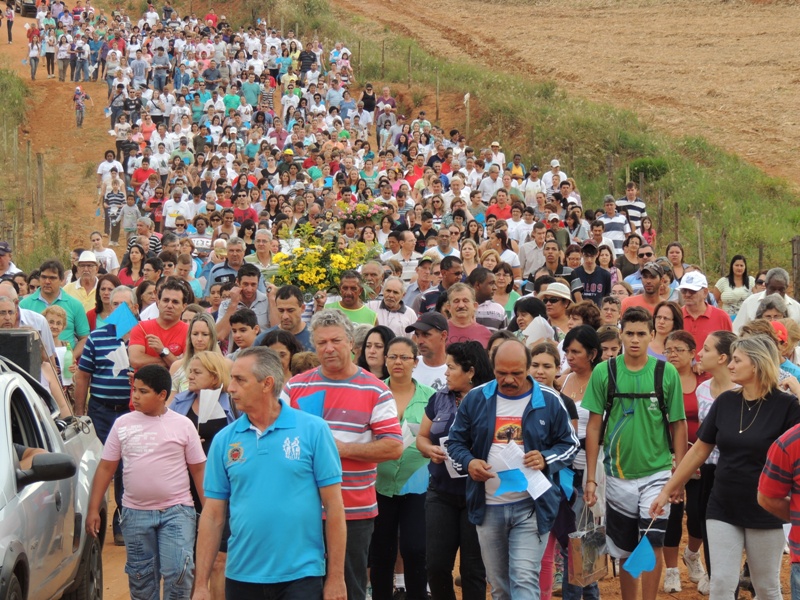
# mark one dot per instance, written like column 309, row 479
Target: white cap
column 694, row 281
column 87, row 256
column 555, row 163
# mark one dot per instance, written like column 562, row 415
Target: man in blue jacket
column 512, row 527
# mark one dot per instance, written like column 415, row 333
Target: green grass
column 541, row 121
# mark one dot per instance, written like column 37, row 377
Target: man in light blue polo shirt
column 51, row 294
column 276, row 547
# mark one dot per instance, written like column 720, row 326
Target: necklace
column 749, row 408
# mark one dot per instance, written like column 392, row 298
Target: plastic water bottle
column 66, row 374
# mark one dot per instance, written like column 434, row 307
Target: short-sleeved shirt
column 780, row 478
column 474, row 332
column 635, row 442
column 359, row 410
column 77, row 322
column 173, row 338
column 104, row 385
column 360, row 315
column 742, row 455
column 714, row 319
column 155, row 452
column 253, row 470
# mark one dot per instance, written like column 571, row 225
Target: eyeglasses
column 645, row 255
column 551, row 300
column 452, row 233
column 396, row 357
column 760, row 282
column 668, row 351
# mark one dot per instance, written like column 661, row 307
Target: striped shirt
column 104, row 385
column 358, row 410
column 781, row 478
column 615, row 229
column 636, row 210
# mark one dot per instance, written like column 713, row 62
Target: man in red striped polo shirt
column 362, row 415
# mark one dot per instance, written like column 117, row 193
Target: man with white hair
column 83, row 289
column 775, row 282
column 391, row 310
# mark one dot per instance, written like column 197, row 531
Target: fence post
column 283, row 33
column 700, row 253
column 466, row 102
column 760, row 256
column 660, row 214
column 627, row 174
column 641, row 184
column 383, row 60
column 675, row 224
column 29, row 172
column 15, row 151
column 359, row 59
column 610, row 172
column 437, row 95
column 409, row 66
column 40, row 184
column 796, row 264
column 572, row 157
column 723, row 252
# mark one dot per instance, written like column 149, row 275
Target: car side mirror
column 47, row 467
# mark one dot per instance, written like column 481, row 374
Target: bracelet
column 588, row 481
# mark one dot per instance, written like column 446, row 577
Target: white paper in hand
column 538, row 483
column 119, row 359
column 408, row 436
column 448, row 463
column 210, row 408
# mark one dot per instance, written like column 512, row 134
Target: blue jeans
column 512, row 550
column 159, row 543
column 795, row 581
column 307, row 588
column 160, row 80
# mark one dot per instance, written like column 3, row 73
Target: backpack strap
column 611, row 391
column 659, row 386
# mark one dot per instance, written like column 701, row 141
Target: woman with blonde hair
column 202, row 336
column 490, row 259
column 208, row 371
column 469, row 259
column 742, row 424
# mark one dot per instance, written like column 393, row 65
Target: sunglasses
column 760, row 282
column 646, row 255
column 551, row 300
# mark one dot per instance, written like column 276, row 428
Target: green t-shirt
column 361, row 315
column 635, row 442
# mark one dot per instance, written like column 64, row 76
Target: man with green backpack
column 637, row 414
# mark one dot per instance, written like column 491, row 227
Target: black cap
column 428, row 321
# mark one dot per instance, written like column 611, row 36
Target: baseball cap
column 589, row 247
column 553, row 217
column 535, row 168
column 425, row 258
column 555, row 163
column 653, row 268
column 428, row 321
column 694, row 281
column 4, row 248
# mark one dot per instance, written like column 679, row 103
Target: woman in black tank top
column 368, row 98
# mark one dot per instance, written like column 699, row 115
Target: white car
column 44, row 547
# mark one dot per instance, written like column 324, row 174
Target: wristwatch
column 164, row 352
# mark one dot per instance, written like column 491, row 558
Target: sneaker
column 693, row 565
column 399, row 594
column 704, row 585
column 558, row 583
column 672, row 580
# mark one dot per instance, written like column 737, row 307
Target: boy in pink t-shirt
column 159, row 449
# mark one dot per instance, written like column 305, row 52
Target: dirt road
column 725, row 70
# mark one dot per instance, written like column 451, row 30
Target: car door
column 45, row 508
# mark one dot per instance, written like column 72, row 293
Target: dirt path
column 52, row 130
column 724, row 70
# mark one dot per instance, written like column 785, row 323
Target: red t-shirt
column 638, row 300
column 500, row 213
column 240, row 215
column 714, row 319
column 173, row 338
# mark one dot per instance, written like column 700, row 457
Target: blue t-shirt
column 271, row 482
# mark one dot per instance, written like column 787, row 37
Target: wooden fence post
column 700, row 253
column 723, row 252
column 437, row 95
column 796, row 264
column 409, row 66
column 359, row 59
column 760, row 256
column 29, row 176
column 610, row 172
column 675, row 224
column 641, row 184
column 466, row 101
column 40, row 184
column 383, row 60
column 660, row 214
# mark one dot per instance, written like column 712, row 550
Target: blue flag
column 313, row 403
column 566, row 478
column 512, row 480
column 123, row 319
column 641, row 559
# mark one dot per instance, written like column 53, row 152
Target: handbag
column 588, row 553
